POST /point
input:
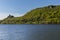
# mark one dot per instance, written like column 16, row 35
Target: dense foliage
column 45, row 15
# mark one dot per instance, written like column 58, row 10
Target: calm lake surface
column 29, row 32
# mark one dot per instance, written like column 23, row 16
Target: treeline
column 45, row 15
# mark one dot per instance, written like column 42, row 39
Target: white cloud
column 4, row 15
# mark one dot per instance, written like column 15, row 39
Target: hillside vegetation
column 43, row 15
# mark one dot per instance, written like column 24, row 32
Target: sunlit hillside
column 43, row 15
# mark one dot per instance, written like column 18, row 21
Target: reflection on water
column 3, row 35
column 29, row 32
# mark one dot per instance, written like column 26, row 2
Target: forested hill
column 43, row 15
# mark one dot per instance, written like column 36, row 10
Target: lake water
column 29, row 32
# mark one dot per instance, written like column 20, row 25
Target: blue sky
column 20, row 7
